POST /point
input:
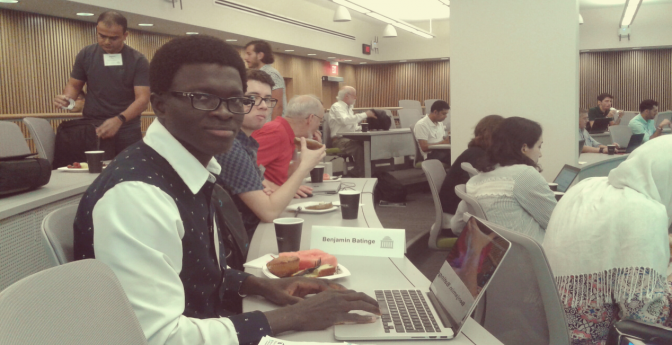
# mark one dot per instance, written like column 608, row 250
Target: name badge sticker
column 359, row 241
column 113, row 60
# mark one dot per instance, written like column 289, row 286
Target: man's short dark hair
column 110, row 18
column 440, row 106
column 187, row 50
column 260, row 76
column 602, row 96
column 647, row 104
column 263, row 47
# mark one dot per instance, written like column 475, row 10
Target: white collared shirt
column 426, row 129
column 342, row 119
column 139, row 236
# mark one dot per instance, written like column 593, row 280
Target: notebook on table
column 635, row 142
column 566, row 177
column 600, row 125
column 440, row 310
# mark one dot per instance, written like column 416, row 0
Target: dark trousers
column 442, row 155
column 127, row 135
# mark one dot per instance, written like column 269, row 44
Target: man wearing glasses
column 276, row 141
column 151, row 215
column 240, row 173
column 117, row 79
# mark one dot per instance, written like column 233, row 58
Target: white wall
column 517, row 58
column 652, row 27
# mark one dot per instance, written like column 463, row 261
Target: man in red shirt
column 276, row 140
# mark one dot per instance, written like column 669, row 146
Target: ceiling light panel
column 381, row 17
column 630, row 11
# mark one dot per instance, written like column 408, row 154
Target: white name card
column 113, row 60
column 359, row 241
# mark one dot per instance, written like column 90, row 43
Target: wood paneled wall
column 630, row 76
column 385, row 85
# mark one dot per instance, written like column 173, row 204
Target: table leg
column 367, row 159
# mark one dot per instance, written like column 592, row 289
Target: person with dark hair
column 239, row 165
column 644, row 121
column 259, row 55
column 509, row 187
column 430, row 131
column 158, row 218
column 475, row 152
column 604, row 109
column 590, row 145
column 117, row 79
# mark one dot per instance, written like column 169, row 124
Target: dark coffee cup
column 365, row 127
column 95, row 161
column 611, row 149
column 317, row 174
column 349, row 204
column 553, row 186
column 558, row 195
column 288, row 234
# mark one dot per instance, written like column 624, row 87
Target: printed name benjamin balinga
column 348, row 240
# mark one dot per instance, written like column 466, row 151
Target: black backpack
column 389, row 188
column 382, row 122
column 76, row 136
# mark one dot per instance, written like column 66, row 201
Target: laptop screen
column 470, row 265
column 566, row 177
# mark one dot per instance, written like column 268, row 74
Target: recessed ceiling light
column 85, row 14
column 312, row 54
column 192, row 33
column 347, row 60
column 8, row 1
column 289, row 50
column 145, row 24
column 231, row 40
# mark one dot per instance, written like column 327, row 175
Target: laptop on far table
column 437, row 312
column 566, row 177
column 600, row 125
column 327, row 187
column 635, row 142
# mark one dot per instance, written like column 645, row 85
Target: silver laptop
column 326, row 187
column 439, row 311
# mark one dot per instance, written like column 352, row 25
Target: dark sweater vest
column 201, row 274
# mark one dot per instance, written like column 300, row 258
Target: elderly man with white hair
column 276, row 141
column 343, row 119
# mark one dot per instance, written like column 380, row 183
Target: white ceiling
column 603, row 3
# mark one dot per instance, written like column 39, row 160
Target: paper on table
column 581, row 163
column 274, row 341
column 259, row 262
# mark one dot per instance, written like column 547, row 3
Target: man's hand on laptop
column 328, row 308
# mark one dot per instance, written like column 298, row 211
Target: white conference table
column 597, row 164
column 396, row 142
column 367, row 272
column 23, row 252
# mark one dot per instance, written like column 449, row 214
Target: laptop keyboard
column 406, row 311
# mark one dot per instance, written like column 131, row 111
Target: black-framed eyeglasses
column 270, row 102
column 208, row 102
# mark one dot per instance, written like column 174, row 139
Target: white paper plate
column 303, row 205
column 333, row 178
column 341, row 272
column 80, row 170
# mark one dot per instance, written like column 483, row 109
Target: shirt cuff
column 250, row 327
column 233, row 279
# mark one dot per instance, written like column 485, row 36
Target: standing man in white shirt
column 259, row 55
column 150, row 215
column 429, row 131
column 343, row 119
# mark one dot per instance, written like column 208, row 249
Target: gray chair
column 57, row 232
column 410, row 104
column 428, row 105
column 407, row 117
column 627, row 116
column 418, row 158
column 436, row 174
column 12, row 141
column 43, row 136
column 466, row 166
column 522, row 304
column 78, row 303
column 473, row 207
column 620, row 135
column 334, row 152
